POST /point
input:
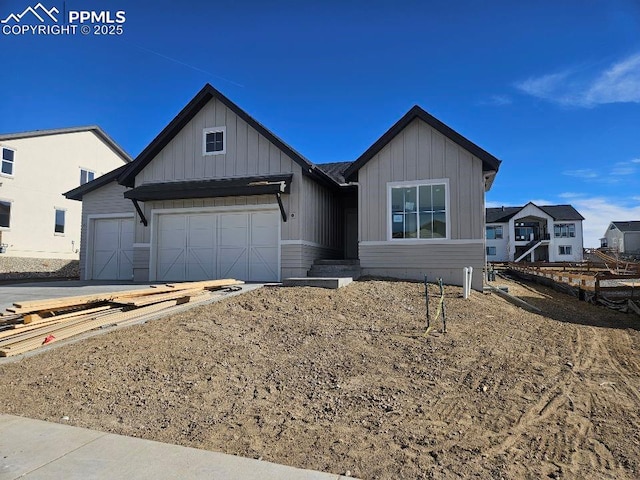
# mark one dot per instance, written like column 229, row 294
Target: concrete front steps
column 335, row 268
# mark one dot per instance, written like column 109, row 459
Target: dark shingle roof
column 501, row 214
column 335, row 170
column 557, row 212
column 632, row 226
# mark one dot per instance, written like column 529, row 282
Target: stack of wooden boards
column 31, row 324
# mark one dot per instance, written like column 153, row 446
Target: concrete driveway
column 15, row 292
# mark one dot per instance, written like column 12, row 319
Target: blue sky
column 552, row 88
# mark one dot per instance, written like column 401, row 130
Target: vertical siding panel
column 230, row 167
column 397, row 158
column 411, row 151
column 451, row 172
column 241, row 147
column 274, row 159
column 437, row 155
column 253, row 141
column 263, row 156
column 424, row 151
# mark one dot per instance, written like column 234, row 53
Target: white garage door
column 112, row 252
column 200, row 246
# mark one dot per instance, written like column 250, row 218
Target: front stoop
column 322, row 282
column 335, row 268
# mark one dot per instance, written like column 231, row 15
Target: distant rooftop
column 557, row 212
column 631, row 226
column 59, row 131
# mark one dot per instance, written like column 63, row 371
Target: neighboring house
column 36, row 168
column 623, row 237
column 549, row 233
column 216, row 194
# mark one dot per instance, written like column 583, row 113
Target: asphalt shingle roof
column 557, row 212
column 632, row 226
column 335, row 170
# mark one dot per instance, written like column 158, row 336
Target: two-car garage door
column 199, row 246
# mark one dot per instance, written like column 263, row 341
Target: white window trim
column 570, row 247
column 13, row 164
column 224, row 140
column 417, row 183
column 89, row 171
column 10, row 202
column 64, row 226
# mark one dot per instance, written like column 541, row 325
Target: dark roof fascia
column 59, row 131
column 188, row 112
column 489, row 162
column 78, row 192
column 258, row 185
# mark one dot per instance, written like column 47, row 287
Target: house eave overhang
column 241, row 186
column 78, row 192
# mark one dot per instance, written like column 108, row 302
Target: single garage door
column 200, row 246
column 112, row 252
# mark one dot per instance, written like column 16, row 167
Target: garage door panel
column 233, row 262
column 198, row 246
column 112, row 249
column 263, row 264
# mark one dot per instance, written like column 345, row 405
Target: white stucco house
column 532, row 233
column 37, row 167
column 217, row 195
column 623, row 237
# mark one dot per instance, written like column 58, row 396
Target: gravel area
column 20, row 268
column 345, row 380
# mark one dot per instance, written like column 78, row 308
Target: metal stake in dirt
column 444, row 317
column 426, row 299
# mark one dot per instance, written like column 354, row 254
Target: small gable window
column 7, row 161
column 86, row 176
column 214, row 141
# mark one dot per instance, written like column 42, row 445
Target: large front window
column 419, row 211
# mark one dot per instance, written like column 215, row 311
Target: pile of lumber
column 32, row 324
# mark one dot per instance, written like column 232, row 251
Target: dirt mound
column 339, row 380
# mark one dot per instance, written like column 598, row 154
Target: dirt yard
column 345, row 381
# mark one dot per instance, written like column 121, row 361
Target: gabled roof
column 335, row 170
column 59, row 131
column 557, row 212
column 631, row 226
column 188, row 112
column 489, row 162
column 78, row 192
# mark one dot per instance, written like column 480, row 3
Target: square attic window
column 214, row 141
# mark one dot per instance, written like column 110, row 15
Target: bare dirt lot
column 345, row 381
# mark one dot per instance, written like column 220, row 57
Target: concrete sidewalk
column 33, row 449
